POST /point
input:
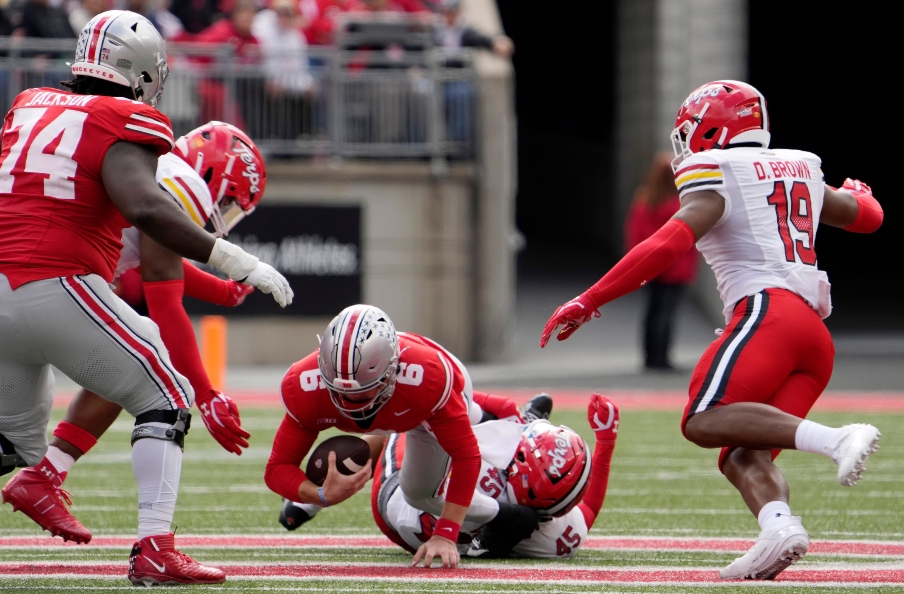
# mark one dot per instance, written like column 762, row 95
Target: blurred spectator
column 654, row 204
column 288, row 81
column 452, row 34
column 157, row 11
column 195, row 15
column 40, row 18
column 216, row 102
column 322, row 28
column 84, row 12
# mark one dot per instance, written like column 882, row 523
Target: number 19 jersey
column 767, row 233
column 55, row 216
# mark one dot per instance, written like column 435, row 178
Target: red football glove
column 237, row 293
column 855, row 186
column 603, row 417
column 221, row 417
column 570, row 317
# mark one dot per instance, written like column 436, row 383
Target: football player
column 365, row 378
column 76, row 168
column 551, row 471
column 36, row 491
column 753, row 212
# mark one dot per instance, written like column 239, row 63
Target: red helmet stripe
column 95, row 34
column 347, row 333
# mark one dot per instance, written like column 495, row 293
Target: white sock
column 157, row 466
column 817, row 439
column 59, row 459
column 774, row 515
column 309, row 508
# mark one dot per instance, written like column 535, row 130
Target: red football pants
column 776, row 351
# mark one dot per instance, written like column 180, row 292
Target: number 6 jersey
column 767, row 233
column 55, row 216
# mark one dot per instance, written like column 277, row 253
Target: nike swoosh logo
column 399, row 414
column 160, row 568
column 446, row 528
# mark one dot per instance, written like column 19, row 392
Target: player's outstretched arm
column 206, row 287
column 851, row 207
column 699, row 212
column 603, row 416
column 129, row 177
column 161, row 272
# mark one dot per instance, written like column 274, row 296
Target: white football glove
column 245, row 268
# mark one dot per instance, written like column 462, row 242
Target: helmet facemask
column 681, row 137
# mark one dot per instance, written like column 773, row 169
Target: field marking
column 856, row 548
column 571, row 399
column 508, row 574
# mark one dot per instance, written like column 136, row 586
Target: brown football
column 352, row 453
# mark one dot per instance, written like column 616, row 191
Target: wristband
column 322, row 498
column 447, row 529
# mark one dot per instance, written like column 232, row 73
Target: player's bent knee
column 179, row 421
column 9, row 457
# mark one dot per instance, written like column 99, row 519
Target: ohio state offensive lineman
column 365, row 378
column 76, row 168
column 163, row 277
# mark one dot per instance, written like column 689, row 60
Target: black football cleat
column 291, row 516
column 538, row 407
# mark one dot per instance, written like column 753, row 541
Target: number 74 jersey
column 55, row 216
column 767, row 234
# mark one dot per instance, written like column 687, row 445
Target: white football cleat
column 771, row 554
column 852, row 451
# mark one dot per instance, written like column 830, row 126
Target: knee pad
column 9, row 457
column 179, row 421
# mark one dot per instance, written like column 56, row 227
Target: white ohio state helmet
column 358, row 360
column 123, row 47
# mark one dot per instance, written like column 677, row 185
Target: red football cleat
column 155, row 561
column 37, row 493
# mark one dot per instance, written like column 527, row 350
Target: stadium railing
column 331, row 101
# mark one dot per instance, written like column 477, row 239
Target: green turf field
column 661, row 485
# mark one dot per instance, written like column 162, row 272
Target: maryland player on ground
column 753, row 212
column 551, row 471
column 214, row 149
column 365, row 378
column 76, row 168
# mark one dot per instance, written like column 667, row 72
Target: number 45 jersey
column 55, row 216
column 767, row 233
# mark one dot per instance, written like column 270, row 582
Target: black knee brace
column 180, row 420
column 9, row 457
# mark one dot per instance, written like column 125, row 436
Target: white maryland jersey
column 766, row 236
column 187, row 189
column 556, row 537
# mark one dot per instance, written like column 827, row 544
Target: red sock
column 75, row 435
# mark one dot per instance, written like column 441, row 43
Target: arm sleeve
column 203, row 285
column 283, row 474
column 869, row 214
column 164, row 300
column 644, row 263
column 499, row 406
column 453, row 432
column 592, row 501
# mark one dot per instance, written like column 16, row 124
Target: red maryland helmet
column 720, row 114
column 550, row 470
column 232, row 167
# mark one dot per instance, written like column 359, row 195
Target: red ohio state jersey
column 428, row 388
column 55, row 216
